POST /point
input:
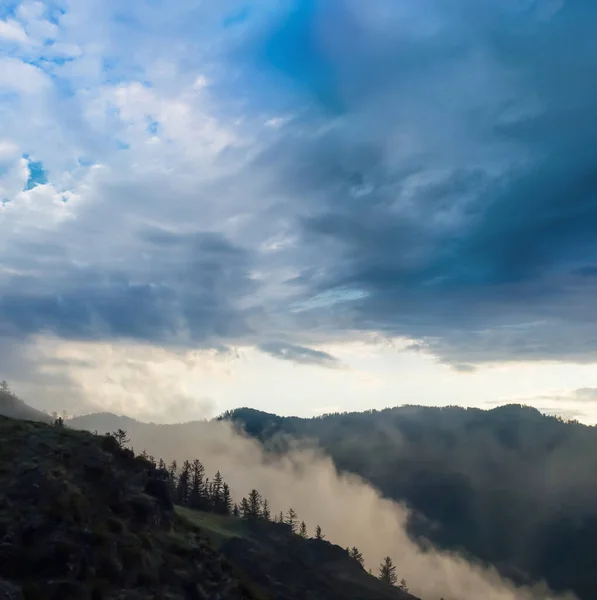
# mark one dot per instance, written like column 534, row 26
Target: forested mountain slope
column 510, row 486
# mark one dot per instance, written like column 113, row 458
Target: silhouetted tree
column 354, row 553
column 216, row 493
column 318, row 534
column 236, row 511
column 198, row 497
column 402, row 586
column 183, row 486
column 281, row 517
column 245, row 509
column 226, row 500
column 121, row 438
column 291, row 519
column 303, row 530
column 173, row 478
column 265, row 511
column 254, row 504
column 387, row 571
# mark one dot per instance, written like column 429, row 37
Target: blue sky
column 298, row 205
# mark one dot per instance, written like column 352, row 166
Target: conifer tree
column 291, row 519
column 226, row 499
column 402, row 586
column 245, row 509
column 303, row 530
column 162, row 465
column 183, row 486
column 281, row 517
column 173, row 478
column 265, row 511
column 121, row 437
column 318, row 533
column 216, row 493
column 197, row 495
column 236, row 511
column 354, row 553
column 387, row 571
column 254, row 504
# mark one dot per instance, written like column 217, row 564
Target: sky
column 301, row 206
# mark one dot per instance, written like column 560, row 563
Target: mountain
column 510, row 487
column 12, row 406
column 82, row 518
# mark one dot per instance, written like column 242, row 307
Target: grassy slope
column 282, row 565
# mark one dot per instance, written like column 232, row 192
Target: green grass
column 218, row 529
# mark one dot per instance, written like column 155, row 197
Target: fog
column 349, row 510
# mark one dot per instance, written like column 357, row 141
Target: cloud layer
column 197, row 176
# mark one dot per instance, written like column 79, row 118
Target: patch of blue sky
column 153, row 128
column 85, row 161
column 8, row 9
column 37, row 174
column 238, row 17
column 122, row 145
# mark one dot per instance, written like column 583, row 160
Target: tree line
column 190, row 487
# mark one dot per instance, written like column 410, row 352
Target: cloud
column 308, row 481
column 430, row 176
column 299, row 354
column 12, row 31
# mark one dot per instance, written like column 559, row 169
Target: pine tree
column 281, row 517
column 318, row 534
column 216, row 493
column 236, row 511
column 197, row 496
column 354, row 553
column 402, row 586
column 162, row 465
column 226, row 500
column 265, row 511
column 245, row 509
column 303, row 530
column 387, row 571
column 183, row 487
column 291, row 519
column 254, row 504
column 173, row 478
column 120, row 436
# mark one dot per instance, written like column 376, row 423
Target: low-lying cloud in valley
column 350, row 511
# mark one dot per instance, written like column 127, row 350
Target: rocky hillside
column 284, row 566
column 83, row 519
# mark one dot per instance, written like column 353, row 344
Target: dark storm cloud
column 477, row 233
column 436, row 179
column 181, row 289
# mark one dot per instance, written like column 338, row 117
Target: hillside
column 287, row 567
column 12, row 406
column 509, row 486
column 83, row 519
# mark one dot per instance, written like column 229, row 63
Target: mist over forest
column 496, row 488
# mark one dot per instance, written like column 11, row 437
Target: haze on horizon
column 299, row 206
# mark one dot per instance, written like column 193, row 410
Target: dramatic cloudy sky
column 298, row 205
